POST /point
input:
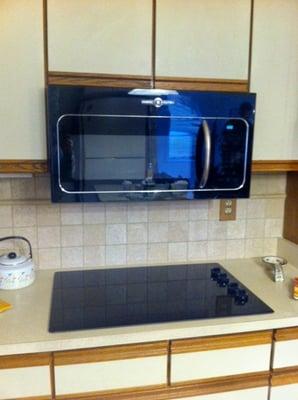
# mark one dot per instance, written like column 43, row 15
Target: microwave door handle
column 207, row 141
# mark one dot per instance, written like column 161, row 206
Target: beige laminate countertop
column 24, row 329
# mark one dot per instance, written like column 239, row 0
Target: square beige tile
column 116, row 234
column 29, row 233
column 49, row 258
column 5, row 189
column 137, row 213
column 71, row 235
column 72, row 257
column 255, row 208
column 94, row 256
column 216, row 249
column 116, row 213
column 94, row 235
column 197, row 251
column 94, row 214
column 43, row 187
column 48, row 215
column 49, row 236
column 71, row 214
column 136, row 253
column 217, row 230
column 274, row 208
column 179, row 211
column 157, row 252
column 137, row 233
column 254, row 247
column 235, row 248
column 115, row 255
column 198, row 210
column 5, row 216
column 178, row 231
column 6, row 244
column 178, row 251
column 236, row 229
column 158, row 212
column 255, row 228
column 24, row 215
column 273, row 227
column 198, row 230
column 158, row 232
column 22, row 188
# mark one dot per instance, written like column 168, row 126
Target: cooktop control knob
column 233, row 288
column 241, row 297
column 222, row 280
column 214, row 273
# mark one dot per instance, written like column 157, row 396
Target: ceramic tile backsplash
column 111, row 234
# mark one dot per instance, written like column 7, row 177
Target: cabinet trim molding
column 286, row 334
column 23, row 166
column 221, row 342
column 284, row 376
column 25, row 360
column 98, row 80
column 122, row 352
column 221, row 85
column 181, row 390
column 274, row 165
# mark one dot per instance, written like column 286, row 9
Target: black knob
column 232, row 289
column 214, row 273
column 222, row 280
column 241, row 298
column 12, row 255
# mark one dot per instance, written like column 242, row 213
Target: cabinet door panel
column 216, row 363
column 247, row 394
column 275, row 79
column 285, row 354
column 100, row 36
column 285, row 392
column 24, row 382
column 22, row 113
column 206, row 39
column 81, row 378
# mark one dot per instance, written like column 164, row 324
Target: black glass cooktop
column 133, row 296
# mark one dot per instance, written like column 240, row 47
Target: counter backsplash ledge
column 111, row 234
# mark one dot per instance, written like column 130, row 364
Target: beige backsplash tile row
column 117, row 234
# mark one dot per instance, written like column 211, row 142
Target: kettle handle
column 20, row 238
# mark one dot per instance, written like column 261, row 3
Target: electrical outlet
column 227, row 210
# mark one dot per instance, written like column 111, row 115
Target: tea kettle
column 16, row 270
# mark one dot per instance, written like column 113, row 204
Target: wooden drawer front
column 224, row 362
column 247, row 394
column 285, row 354
column 285, row 392
column 25, row 382
column 108, row 375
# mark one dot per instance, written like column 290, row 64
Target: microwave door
column 225, row 154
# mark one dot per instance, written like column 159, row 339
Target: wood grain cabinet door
column 100, row 36
column 274, row 77
column 211, row 357
column 22, row 109
column 110, row 368
column 203, row 39
column 25, row 376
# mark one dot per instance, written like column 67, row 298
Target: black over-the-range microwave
column 148, row 144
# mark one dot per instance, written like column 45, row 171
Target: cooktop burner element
column 145, row 295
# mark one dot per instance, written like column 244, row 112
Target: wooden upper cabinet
column 100, row 36
column 203, row 39
column 22, row 110
column 275, row 79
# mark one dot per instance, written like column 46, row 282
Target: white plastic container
column 16, row 271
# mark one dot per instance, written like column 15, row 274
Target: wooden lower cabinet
column 284, row 380
column 25, row 376
column 110, row 368
column 203, row 358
